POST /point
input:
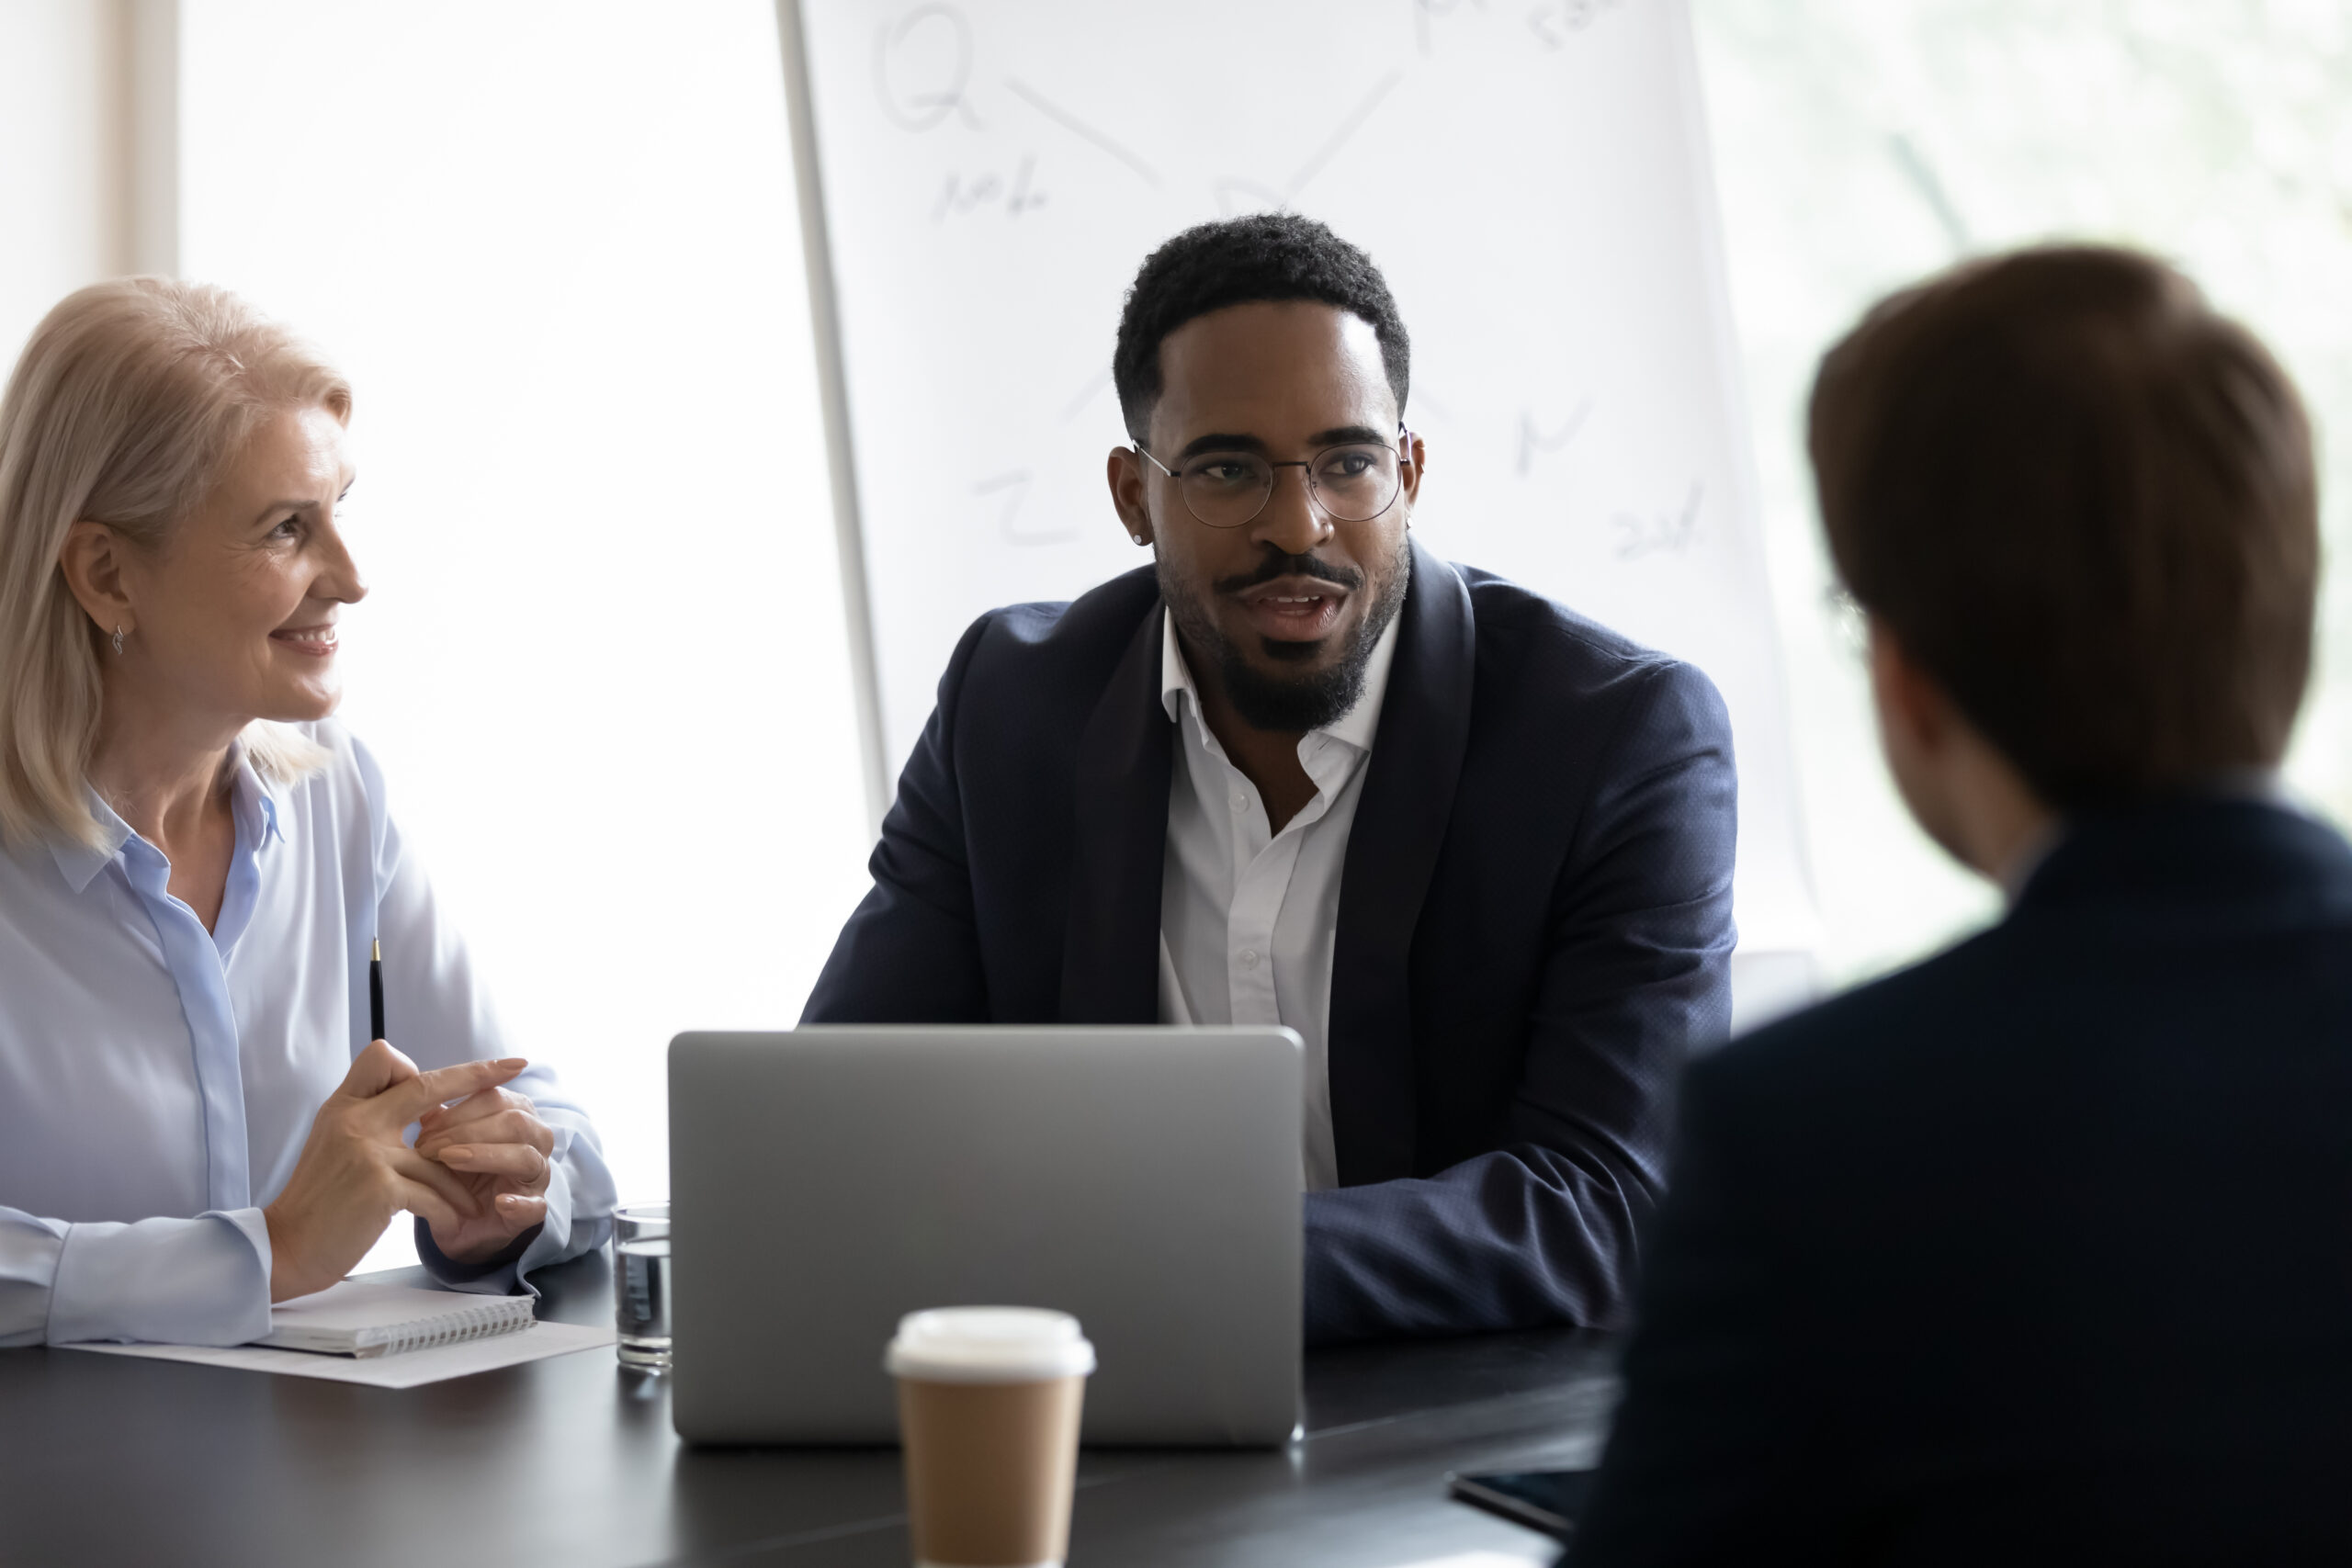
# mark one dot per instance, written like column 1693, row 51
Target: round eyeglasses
column 1351, row 483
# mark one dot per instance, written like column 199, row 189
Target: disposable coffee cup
column 989, row 1402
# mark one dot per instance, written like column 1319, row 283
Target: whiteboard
column 1531, row 176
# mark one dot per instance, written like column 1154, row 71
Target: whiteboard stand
column 841, row 465
column 1536, row 180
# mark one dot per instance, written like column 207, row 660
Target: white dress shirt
column 157, row 1081
column 1248, row 918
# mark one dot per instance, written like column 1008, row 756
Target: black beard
column 1290, row 705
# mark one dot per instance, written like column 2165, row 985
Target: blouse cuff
column 171, row 1281
column 496, row 1275
column 507, row 1272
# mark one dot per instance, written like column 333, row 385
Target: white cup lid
column 989, row 1344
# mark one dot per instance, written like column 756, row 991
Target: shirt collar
column 249, row 798
column 1175, row 675
column 1355, row 726
column 79, row 863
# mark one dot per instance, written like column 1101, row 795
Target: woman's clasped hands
column 478, row 1174
column 503, row 1155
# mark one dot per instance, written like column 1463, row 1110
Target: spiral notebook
column 359, row 1324
column 364, row 1320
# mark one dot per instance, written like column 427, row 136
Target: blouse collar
column 250, row 802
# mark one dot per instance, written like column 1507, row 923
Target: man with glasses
column 1475, row 849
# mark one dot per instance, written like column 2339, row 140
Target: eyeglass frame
column 1404, row 433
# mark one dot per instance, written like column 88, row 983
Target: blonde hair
column 129, row 399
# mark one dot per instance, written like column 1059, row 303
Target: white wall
column 554, row 246
column 61, row 143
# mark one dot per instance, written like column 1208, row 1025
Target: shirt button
column 1240, row 803
column 1249, row 958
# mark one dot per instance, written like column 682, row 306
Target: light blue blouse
column 157, row 1081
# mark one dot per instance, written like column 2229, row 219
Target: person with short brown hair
column 2036, row 1251
column 2085, row 503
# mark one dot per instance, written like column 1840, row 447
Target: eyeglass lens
column 1353, row 484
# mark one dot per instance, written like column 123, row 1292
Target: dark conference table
column 571, row 1460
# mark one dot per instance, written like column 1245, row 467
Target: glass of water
column 641, row 1284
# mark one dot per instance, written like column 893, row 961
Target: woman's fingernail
column 456, row 1150
column 513, row 1064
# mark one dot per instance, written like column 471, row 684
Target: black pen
column 376, row 989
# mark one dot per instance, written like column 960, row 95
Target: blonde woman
column 195, row 859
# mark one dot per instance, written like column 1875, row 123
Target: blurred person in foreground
column 195, row 860
column 2041, row 1250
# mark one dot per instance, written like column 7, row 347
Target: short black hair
column 1239, row 261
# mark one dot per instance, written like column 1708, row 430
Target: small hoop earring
column 118, row 642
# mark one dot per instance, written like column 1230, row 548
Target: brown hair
column 2085, row 502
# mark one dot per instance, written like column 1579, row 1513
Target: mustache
column 1279, row 564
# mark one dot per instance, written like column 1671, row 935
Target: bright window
column 1861, row 144
column 554, row 246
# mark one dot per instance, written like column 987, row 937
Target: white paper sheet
column 406, row 1370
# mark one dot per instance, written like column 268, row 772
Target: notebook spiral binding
column 496, row 1315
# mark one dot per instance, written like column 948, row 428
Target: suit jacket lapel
column 1392, row 849
column 1111, row 947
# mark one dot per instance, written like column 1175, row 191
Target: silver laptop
column 823, row 1182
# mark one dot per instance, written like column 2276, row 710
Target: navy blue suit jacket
column 1535, row 923
column 2040, row 1251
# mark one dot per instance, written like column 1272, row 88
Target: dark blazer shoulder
column 2214, row 874
column 1883, row 1037
column 1046, row 656
column 1507, row 610
column 1094, row 626
column 1542, row 653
